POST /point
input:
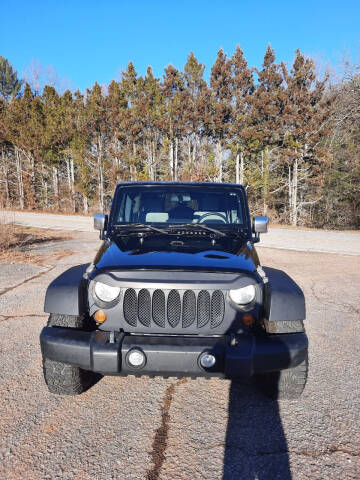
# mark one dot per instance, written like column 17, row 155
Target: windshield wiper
column 199, row 225
column 139, row 227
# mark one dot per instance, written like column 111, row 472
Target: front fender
column 284, row 303
column 67, row 293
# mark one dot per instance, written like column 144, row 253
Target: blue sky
column 88, row 41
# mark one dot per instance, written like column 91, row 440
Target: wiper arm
column 141, row 226
column 150, row 227
column 200, row 225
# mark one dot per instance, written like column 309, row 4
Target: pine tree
column 176, row 98
column 193, row 74
column 129, row 83
column 242, row 88
column 305, row 123
column 79, row 156
column 197, row 103
column 131, row 123
column 115, row 112
column 25, row 128
column 96, row 124
column 264, row 132
column 58, row 133
column 5, row 153
column 9, row 83
column 149, row 111
column 221, row 87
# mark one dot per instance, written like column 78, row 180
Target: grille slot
column 130, row 307
column 173, row 308
column 144, row 307
column 203, row 308
column 189, row 308
column 158, row 308
column 217, row 308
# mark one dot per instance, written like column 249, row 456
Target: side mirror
column 260, row 225
column 100, row 223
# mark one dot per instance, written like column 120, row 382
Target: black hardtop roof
column 186, row 184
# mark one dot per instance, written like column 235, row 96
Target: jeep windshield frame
column 171, row 205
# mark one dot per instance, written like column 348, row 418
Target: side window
column 128, row 206
column 125, row 209
column 236, row 208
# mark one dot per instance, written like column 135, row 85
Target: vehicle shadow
column 255, row 444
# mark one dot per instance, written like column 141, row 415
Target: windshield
column 172, row 204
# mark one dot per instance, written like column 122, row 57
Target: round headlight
column 243, row 296
column 105, row 292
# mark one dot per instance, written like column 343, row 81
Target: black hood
column 111, row 257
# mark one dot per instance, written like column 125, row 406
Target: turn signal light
column 100, row 316
column 248, row 319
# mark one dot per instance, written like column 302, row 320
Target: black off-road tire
column 286, row 384
column 61, row 378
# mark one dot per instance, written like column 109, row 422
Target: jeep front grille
column 174, row 308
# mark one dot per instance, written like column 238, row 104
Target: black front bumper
column 174, row 355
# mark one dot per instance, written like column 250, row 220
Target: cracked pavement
column 140, row 428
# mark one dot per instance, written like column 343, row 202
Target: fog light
column 207, row 360
column 136, row 358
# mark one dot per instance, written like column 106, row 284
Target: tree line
column 284, row 133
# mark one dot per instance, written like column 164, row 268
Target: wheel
column 61, row 378
column 285, row 384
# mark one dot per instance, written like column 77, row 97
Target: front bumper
column 174, row 355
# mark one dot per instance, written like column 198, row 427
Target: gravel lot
column 129, row 428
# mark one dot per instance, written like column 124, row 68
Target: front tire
column 285, row 384
column 61, row 378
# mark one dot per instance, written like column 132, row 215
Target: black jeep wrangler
column 176, row 289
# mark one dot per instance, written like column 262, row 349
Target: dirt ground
column 140, row 428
